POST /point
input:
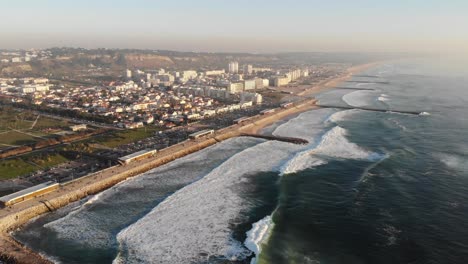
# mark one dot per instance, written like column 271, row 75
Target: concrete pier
column 354, row 88
column 366, row 76
column 377, row 82
column 371, row 109
column 298, row 141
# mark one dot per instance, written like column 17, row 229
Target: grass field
column 27, row 122
column 46, row 122
column 16, row 138
column 13, row 168
column 125, row 137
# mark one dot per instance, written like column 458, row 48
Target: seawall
column 13, row 252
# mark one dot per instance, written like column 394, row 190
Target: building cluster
column 130, row 105
column 157, row 96
column 24, row 56
column 24, row 85
column 284, row 77
column 237, row 84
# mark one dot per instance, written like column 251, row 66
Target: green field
column 46, row 122
column 26, row 123
column 125, row 137
column 13, row 168
column 16, row 138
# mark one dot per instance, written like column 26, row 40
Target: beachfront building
column 235, row 88
column 279, row 81
column 249, row 85
column 214, row 73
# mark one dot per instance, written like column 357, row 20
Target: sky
column 238, row 25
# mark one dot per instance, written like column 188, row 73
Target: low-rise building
column 78, row 127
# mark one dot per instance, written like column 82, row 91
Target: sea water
column 370, row 187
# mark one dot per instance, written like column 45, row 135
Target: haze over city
column 239, row 26
column 233, row 132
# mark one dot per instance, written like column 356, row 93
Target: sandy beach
column 328, row 84
column 13, row 217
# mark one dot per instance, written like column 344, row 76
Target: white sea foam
column 342, row 115
column 94, row 198
column 258, row 235
column 453, row 161
column 383, row 98
column 194, row 223
column 424, row 114
column 307, row 125
column 90, row 224
column 301, row 161
column 359, row 98
column 335, row 144
column 365, row 84
column 398, row 123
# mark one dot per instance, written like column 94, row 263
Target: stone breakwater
column 13, row 217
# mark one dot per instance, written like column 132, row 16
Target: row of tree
column 50, row 142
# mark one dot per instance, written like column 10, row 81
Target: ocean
column 370, row 187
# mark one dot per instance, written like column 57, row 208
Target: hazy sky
column 237, row 25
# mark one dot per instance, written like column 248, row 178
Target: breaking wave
column 342, row 115
column 90, row 225
column 359, row 98
column 307, row 125
column 335, row 144
column 383, row 98
column 193, row 224
column 258, row 235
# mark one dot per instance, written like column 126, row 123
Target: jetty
column 298, row 141
column 376, row 82
column 367, row 76
column 371, row 109
column 354, row 88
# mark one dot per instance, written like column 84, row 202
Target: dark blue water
column 407, row 208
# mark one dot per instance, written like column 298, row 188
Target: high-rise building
column 249, row 85
column 233, row 67
column 129, row 74
column 248, row 69
column 235, row 88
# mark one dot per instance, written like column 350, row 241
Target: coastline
column 328, row 84
column 15, row 216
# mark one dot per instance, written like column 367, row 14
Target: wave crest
column 335, row 144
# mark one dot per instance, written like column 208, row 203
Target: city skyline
column 242, row 26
